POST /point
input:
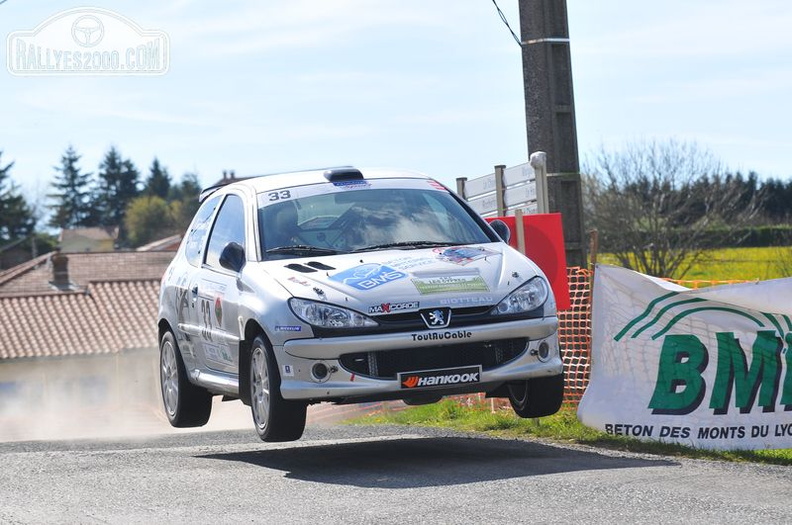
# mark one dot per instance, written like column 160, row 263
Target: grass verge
column 562, row 427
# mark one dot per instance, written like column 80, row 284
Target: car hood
column 382, row 282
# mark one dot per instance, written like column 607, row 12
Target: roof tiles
column 112, row 307
column 106, row 319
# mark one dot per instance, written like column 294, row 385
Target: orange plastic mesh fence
column 574, row 334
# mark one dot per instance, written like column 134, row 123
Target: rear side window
column 196, row 234
column 228, row 227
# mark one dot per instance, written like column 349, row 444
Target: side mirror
column 232, row 257
column 501, row 229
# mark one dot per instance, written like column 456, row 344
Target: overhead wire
column 503, row 17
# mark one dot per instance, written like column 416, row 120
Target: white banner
column 709, row 368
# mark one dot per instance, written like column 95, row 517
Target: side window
column 196, row 234
column 228, row 227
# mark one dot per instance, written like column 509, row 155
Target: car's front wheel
column 186, row 405
column 537, row 397
column 276, row 419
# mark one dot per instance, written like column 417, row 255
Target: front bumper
column 296, row 359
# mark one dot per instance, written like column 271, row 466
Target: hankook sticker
column 449, row 377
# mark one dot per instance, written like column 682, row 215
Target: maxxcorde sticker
column 449, row 377
column 388, row 308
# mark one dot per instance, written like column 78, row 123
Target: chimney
column 60, row 271
column 231, row 174
column 225, row 174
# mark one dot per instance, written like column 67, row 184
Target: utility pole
column 550, row 113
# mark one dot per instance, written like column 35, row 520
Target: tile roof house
column 80, row 303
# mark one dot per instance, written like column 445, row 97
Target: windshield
column 369, row 218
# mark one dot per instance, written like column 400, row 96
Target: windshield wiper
column 303, row 249
column 406, row 244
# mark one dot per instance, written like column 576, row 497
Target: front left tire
column 186, row 405
column 275, row 418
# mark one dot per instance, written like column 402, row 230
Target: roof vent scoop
column 343, row 174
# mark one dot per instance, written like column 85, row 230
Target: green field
column 737, row 264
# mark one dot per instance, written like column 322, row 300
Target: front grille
column 386, row 364
column 460, row 317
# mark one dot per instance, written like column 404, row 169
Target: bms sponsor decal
column 392, row 308
column 436, row 285
column 463, row 255
column 368, row 276
column 449, row 377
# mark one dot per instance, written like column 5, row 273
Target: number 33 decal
column 279, row 195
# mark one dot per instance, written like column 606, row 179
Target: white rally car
column 350, row 286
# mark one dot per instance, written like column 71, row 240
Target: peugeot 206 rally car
column 349, row 286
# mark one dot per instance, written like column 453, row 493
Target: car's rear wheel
column 537, row 397
column 186, row 405
column 275, row 418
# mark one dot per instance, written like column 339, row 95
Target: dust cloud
column 112, row 397
column 94, row 398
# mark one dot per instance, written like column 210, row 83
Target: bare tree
column 659, row 205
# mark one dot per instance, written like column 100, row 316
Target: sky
column 428, row 85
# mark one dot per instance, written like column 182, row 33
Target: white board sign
column 708, row 368
column 519, row 183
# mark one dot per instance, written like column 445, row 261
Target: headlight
column 527, row 297
column 328, row 316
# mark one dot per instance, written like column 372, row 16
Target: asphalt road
column 342, row 474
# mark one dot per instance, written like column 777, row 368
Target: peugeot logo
column 437, row 318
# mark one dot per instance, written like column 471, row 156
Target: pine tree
column 73, row 206
column 16, row 216
column 159, row 182
column 118, row 185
